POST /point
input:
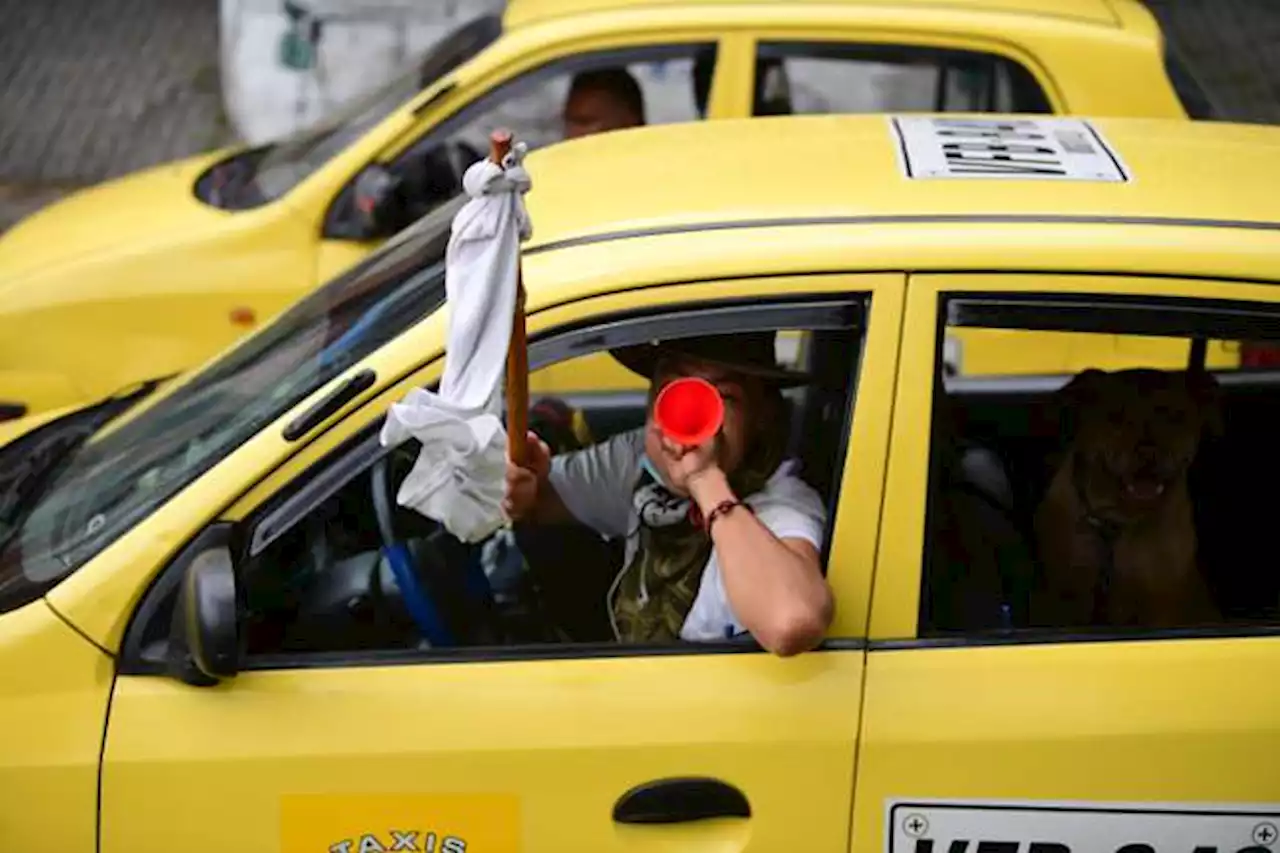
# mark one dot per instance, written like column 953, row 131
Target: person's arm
column 774, row 585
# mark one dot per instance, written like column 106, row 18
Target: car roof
column 832, row 168
column 520, row 13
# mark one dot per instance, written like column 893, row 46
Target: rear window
column 804, row 77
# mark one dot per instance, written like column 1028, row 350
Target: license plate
column 924, row 826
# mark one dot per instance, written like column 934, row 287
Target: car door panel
column 55, row 689
column 565, row 738
column 541, row 748
column 1056, row 724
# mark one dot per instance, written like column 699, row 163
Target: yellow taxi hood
column 131, row 210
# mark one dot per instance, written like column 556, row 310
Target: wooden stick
column 517, row 352
column 518, row 382
column 499, row 145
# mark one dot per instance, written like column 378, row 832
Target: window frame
column 295, row 499
column 337, row 223
column 945, row 59
column 896, row 606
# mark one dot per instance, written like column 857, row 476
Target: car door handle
column 680, row 801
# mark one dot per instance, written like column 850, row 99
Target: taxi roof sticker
column 1053, row 149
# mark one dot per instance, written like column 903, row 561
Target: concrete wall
column 91, row 89
column 363, row 44
column 94, row 88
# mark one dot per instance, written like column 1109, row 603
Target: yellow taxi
column 147, row 276
column 202, row 644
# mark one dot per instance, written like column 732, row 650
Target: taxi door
column 534, row 748
column 522, row 87
column 1050, row 742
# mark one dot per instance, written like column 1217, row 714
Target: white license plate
column 924, row 826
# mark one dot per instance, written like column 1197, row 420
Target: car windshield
column 109, row 483
column 285, row 164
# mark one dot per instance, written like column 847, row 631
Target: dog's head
column 1136, row 432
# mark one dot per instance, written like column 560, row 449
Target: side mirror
column 205, row 633
column 378, row 203
column 386, row 202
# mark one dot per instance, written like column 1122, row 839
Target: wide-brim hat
column 747, row 353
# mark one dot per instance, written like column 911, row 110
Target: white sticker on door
column 1054, row 149
column 1052, row 827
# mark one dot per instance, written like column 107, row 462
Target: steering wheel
column 450, row 578
column 417, row 597
column 438, row 581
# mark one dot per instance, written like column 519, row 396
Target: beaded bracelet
column 722, row 508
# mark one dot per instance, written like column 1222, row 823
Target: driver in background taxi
column 601, row 100
column 720, row 539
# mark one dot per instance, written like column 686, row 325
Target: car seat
column 980, row 565
column 818, row 424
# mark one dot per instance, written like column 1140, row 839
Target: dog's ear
column 1207, row 393
column 1060, row 414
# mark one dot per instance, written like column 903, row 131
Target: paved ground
column 90, row 89
column 1232, row 46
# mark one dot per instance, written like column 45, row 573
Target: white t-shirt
column 596, row 485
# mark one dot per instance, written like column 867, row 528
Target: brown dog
column 1115, row 532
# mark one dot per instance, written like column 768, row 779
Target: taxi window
column 1115, row 485
column 97, row 490
column 319, row 582
column 662, row 78
column 834, row 77
column 649, row 85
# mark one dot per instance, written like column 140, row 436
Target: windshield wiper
column 21, row 490
column 35, row 459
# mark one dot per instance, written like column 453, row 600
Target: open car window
column 334, row 567
column 1048, row 488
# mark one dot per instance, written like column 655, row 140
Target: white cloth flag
column 459, row 476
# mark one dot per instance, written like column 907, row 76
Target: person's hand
column 525, row 481
column 686, row 465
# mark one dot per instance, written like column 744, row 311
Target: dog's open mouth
column 1144, row 488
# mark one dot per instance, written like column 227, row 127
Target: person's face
column 590, row 111
column 735, row 433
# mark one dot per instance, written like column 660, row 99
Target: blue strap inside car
column 416, row 599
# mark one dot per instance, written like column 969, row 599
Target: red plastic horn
column 689, row 411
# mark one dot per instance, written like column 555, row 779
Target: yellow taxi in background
column 147, row 276
column 203, row 642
